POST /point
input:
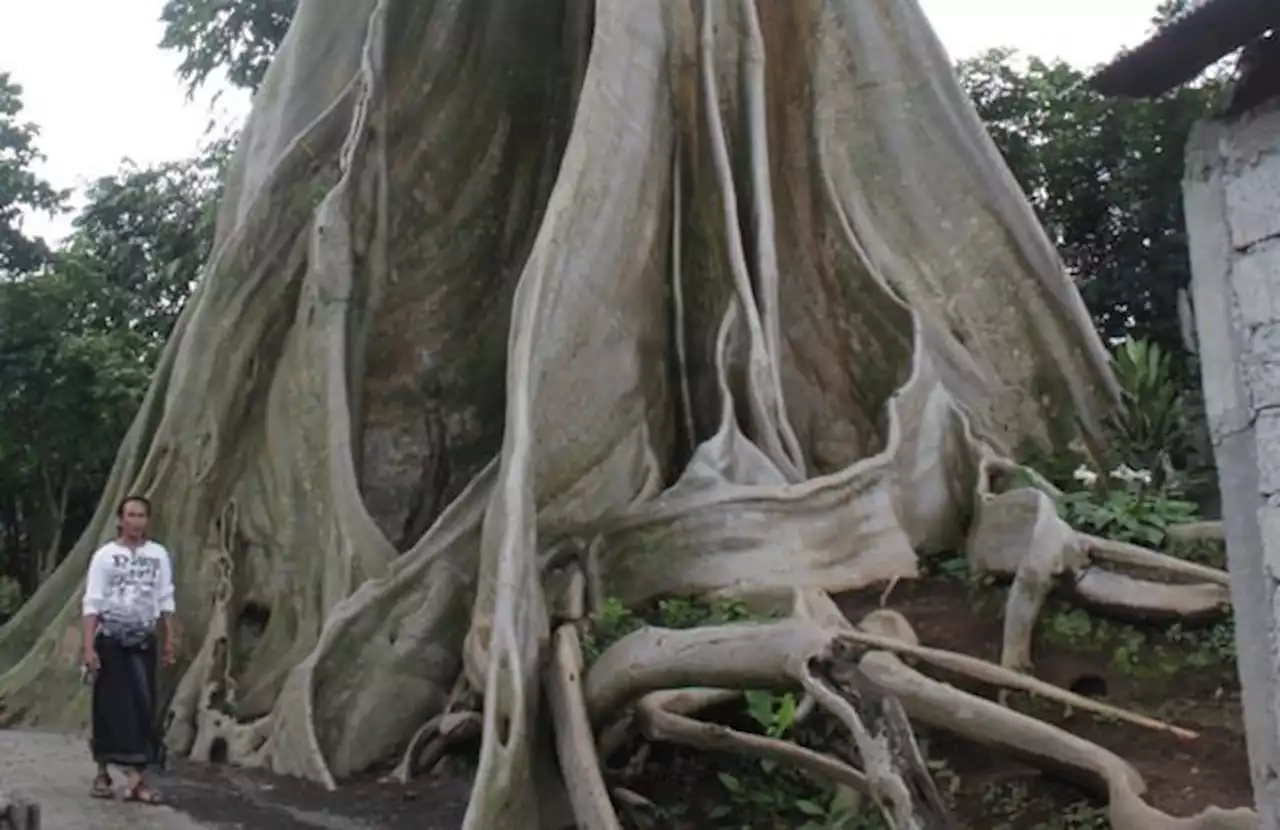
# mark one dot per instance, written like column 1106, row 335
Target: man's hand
column 172, row 631
column 91, row 662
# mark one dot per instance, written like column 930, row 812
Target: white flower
column 1085, row 476
column 1128, row 475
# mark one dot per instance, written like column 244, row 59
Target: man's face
column 133, row 519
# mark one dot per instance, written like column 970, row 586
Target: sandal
column 142, row 794
column 102, row 788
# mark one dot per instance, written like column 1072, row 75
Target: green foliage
column 1153, row 456
column 610, row 623
column 1152, row 428
column 21, row 189
column 78, row 340
column 1131, row 513
column 239, row 38
column 1105, row 178
column 1011, row 806
column 142, row 241
column 1141, row 653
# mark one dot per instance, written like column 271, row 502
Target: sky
column 102, row 91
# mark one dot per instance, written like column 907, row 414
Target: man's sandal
column 142, row 794
column 102, row 788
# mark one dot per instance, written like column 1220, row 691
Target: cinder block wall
column 1232, row 198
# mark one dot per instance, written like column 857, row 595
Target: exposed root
column 1041, row 745
column 658, row 724
column 820, row 660
column 1197, row 530
column 433, row 740
column 1001, row 677
column 575, row 745
column 1124, row 553
column 898, row 780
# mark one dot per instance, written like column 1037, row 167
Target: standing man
column 129, row 590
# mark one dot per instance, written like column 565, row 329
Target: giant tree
column 517, row 307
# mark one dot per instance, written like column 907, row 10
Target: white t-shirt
column 127, row 586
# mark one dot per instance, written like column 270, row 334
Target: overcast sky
column 102, row 91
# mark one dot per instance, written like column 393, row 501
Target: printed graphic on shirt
column 132, row 584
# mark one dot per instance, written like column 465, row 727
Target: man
column 128, row 591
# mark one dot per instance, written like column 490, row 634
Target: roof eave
column 1186, row 47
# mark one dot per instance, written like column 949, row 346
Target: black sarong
column 124, row 702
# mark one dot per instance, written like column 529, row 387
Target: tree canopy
column 80, row 331
column 21, row 188
column 1105, row 177
column 238, row 39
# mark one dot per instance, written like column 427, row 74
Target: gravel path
column 55, row 771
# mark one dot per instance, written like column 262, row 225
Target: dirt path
column 55, row 771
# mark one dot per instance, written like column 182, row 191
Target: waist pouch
column 128, row 635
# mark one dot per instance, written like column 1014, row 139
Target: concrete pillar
column 1232, row 198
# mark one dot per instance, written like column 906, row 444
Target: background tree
column 78, row 342
column 21, row 188
column 237, row 38
column 1105, row 177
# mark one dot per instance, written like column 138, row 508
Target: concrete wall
column 1232, row 197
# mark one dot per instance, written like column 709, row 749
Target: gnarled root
column 659, row 723
column 780, row 655
column 1019, row 532
column 433, row 739
column 1042, row 745
column 858, row 676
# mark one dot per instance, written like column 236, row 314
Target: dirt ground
column 1181, row 683
column 1176, row 675
column 242, row 799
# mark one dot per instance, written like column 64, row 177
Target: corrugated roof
column 1209, row 31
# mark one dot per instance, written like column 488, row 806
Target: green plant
column 610, row 623
column 690, row 612
column 1129, row 513
column 1151, row 429
column 1011, row 807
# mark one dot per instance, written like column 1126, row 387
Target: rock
column 18, row 813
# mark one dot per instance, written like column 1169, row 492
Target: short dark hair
column 128, row 500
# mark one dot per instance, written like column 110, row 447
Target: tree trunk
column 681, row 297
column 56, row 511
